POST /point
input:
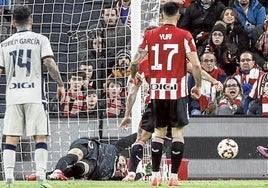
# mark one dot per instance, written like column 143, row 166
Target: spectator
column 74, row 100
column 92, row 53
column 205, row 104
column 123, row 9
column 114, row 33
column 121, row 68
column 230, row 100
column 88, row 70
column 216, row 44
column 236, row 36
column 251, row 14
column 260, row 43
column 200, row 18
column 123, row 59
column 91, row 45
column 90, row 107
column 247, row 74
column 112, row 100
column 259, row 106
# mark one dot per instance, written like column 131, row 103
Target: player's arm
column 55, row 75
column 206, row 76
column 218, row 85
column 131, row 98
column 196, row 71
column 137, row 59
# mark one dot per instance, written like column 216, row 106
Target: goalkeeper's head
column 22, row 16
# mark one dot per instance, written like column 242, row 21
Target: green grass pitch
column 138, row 184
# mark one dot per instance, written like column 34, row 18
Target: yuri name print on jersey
column 165, row 36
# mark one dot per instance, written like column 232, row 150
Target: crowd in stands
column 232, row 44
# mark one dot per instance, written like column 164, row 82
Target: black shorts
column 90, row 148
column 147, row 122
column 173, row 113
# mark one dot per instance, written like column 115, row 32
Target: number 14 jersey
column 21, row 55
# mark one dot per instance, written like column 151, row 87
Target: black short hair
column 75, row 72
column 22, row 14
column 170, row 8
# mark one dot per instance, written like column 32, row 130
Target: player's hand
column 218, row 85
column 124, row 123
column 138, row 80
column 195, row 92
column 61, row 94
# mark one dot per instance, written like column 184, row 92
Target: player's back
column 167, row 48
column 21, row 55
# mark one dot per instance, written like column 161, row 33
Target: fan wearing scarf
column 200, row 17
column 248, row 74
column 259, row 105
column 74, row 99
column 115, row 103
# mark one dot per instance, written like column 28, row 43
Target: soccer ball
column 227, row 149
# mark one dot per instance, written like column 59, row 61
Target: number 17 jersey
column 167, row 47
column 21, row 55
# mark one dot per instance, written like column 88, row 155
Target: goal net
column 72, row 27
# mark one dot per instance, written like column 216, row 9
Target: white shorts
column 31, row 118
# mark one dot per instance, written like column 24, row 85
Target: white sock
column 40, row 158
column 156, row 174
column 9, row 159
column 174, row 175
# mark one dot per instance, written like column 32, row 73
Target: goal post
column 135, row 39
column 144, row 13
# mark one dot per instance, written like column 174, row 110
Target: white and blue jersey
column 20, row 55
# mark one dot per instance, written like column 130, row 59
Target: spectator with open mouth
column 231, row 98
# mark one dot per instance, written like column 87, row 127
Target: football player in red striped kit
column 167, row 47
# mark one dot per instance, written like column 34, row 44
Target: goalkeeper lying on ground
column 90, row 159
